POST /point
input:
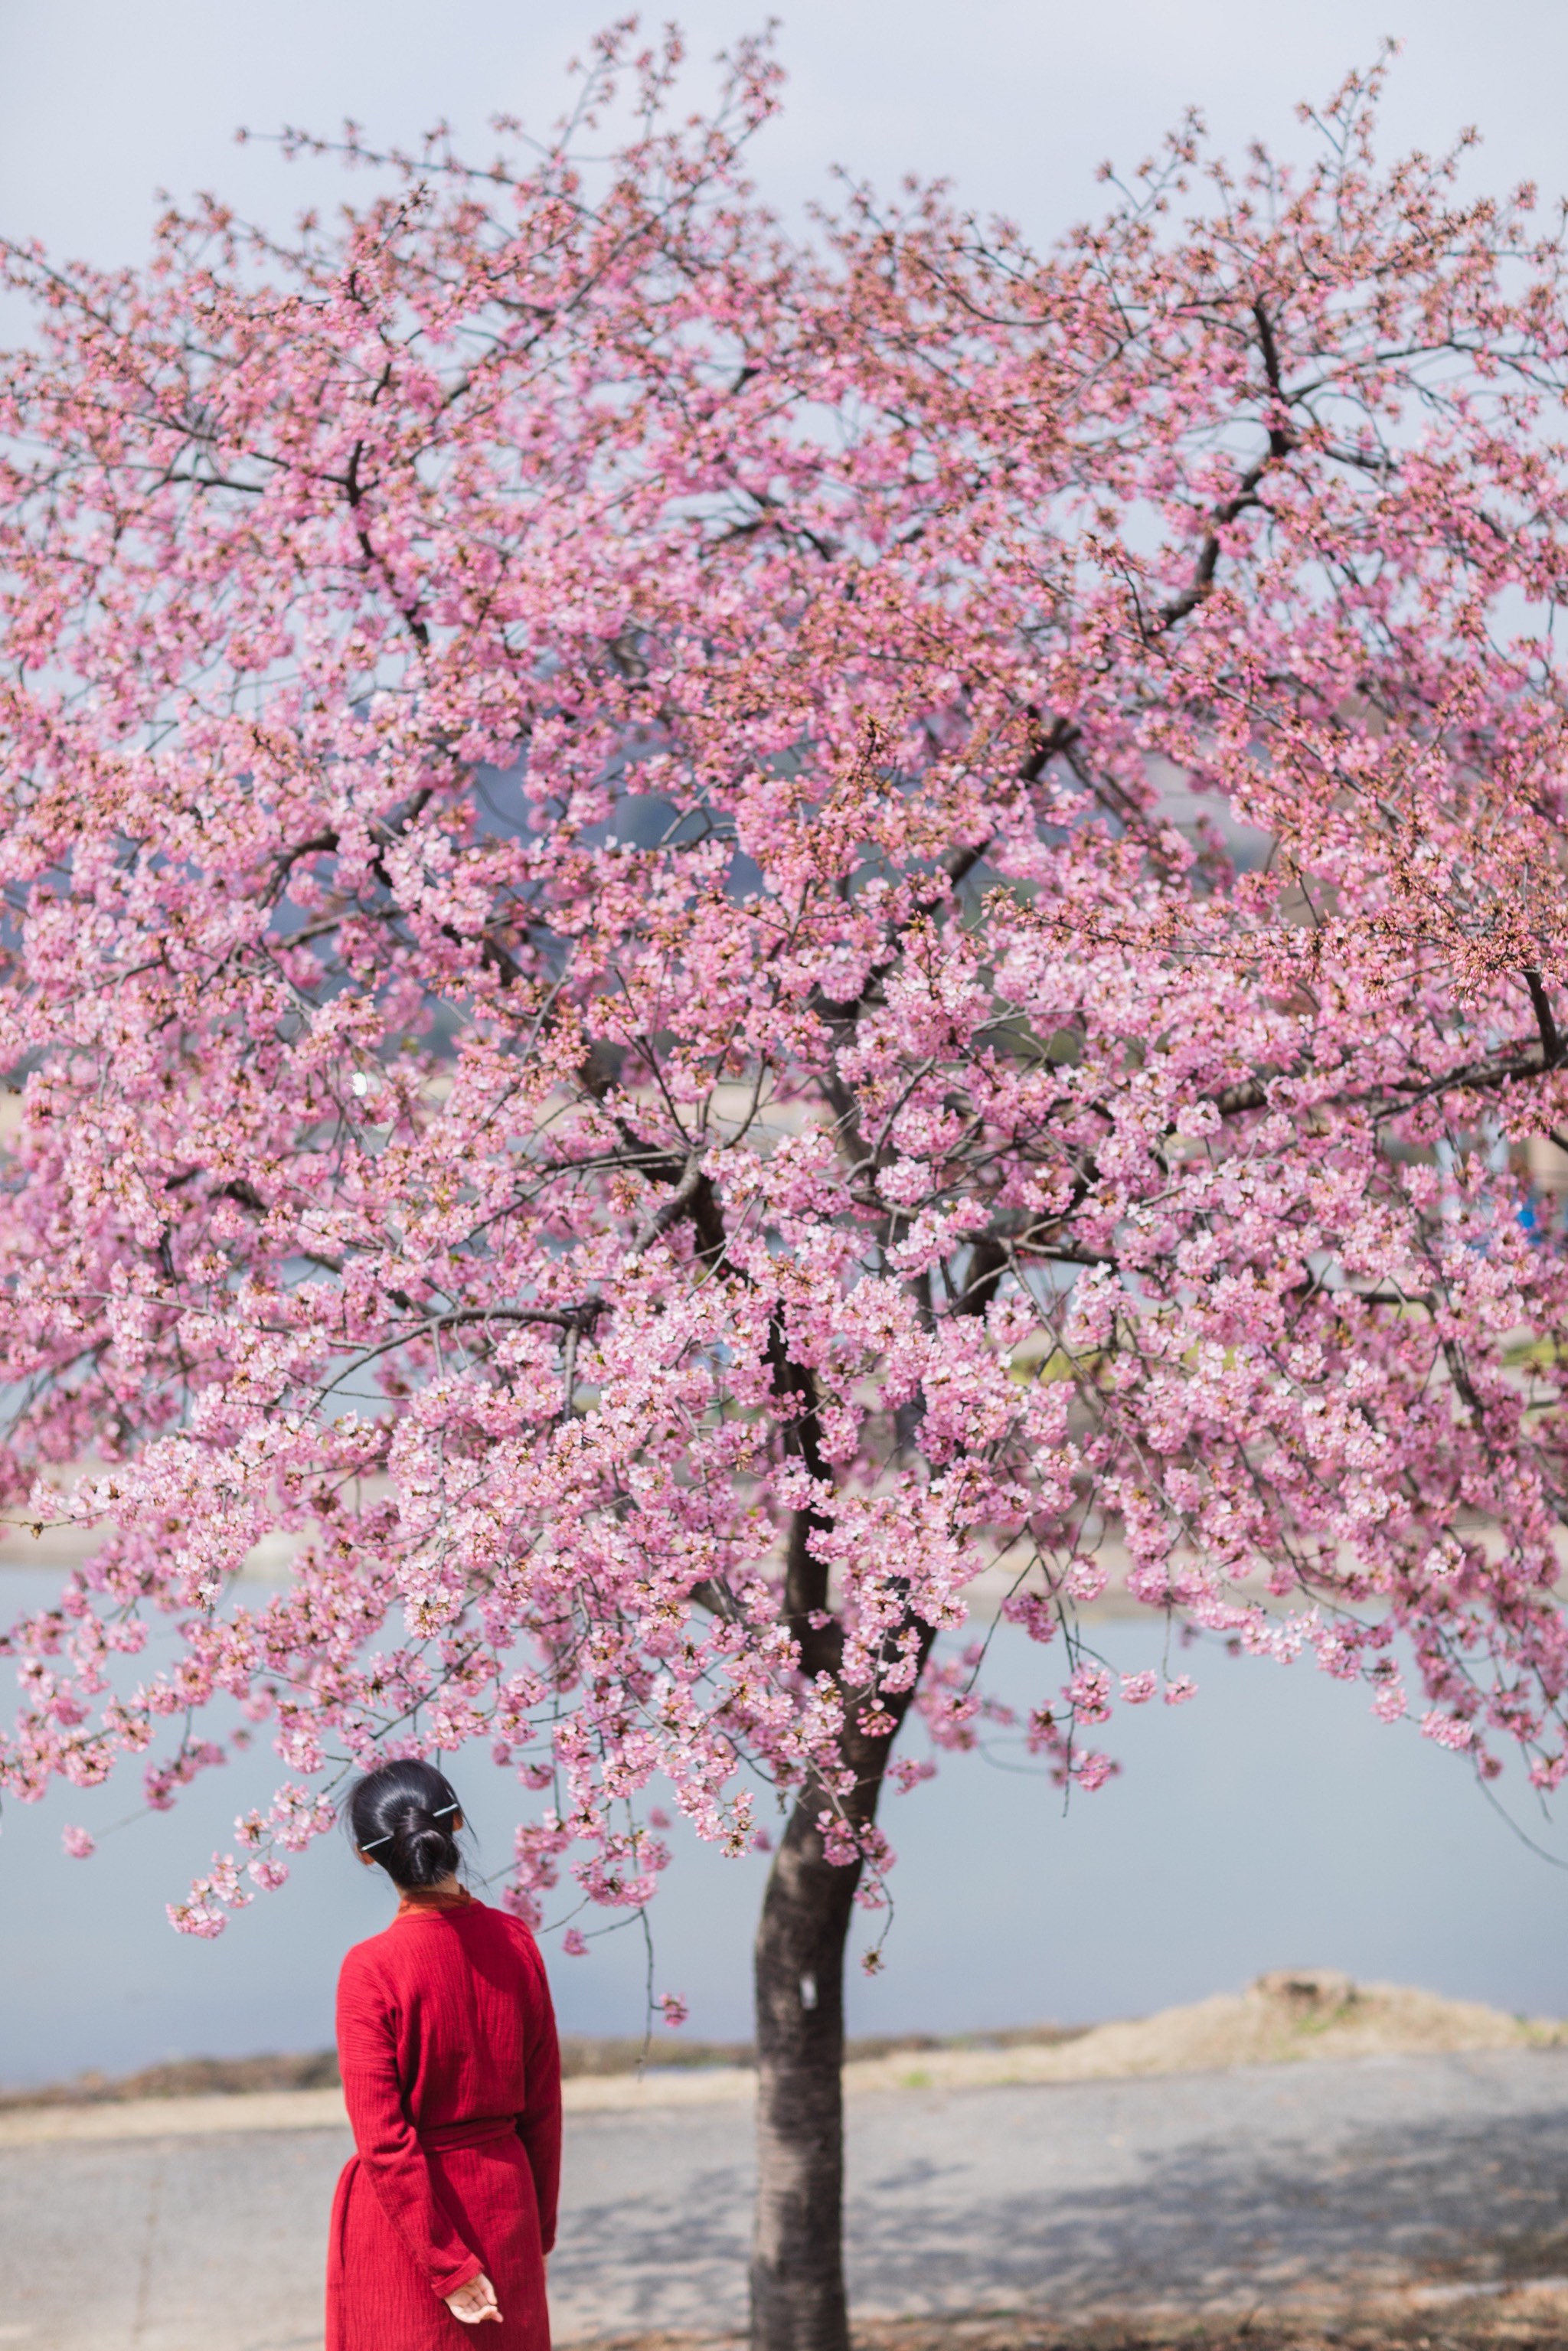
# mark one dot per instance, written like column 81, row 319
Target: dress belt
column 476, row 2130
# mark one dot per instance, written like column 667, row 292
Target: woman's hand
column 474, row 2302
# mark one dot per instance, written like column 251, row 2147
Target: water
column 1271, row 1822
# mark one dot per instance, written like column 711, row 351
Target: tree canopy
column 707, row 931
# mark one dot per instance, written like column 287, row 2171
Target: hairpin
column 439, row 1815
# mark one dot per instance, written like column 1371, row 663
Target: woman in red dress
column 447, row 2043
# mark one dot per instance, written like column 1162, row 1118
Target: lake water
column 1269, row 1822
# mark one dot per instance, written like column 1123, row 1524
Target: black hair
column 402, row 1814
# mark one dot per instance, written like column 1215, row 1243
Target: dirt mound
column 1290, row 2014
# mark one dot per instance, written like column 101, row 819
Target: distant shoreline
column 583, row 2056
column 1289, row 2016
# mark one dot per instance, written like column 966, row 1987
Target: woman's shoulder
column 503, row 1925
column 367, row 1962
column 501, row 1930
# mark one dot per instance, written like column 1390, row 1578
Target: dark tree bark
column 797, row 2300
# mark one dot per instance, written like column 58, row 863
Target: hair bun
column 402, row 1814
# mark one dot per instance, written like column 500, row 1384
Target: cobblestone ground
column 988, row 2220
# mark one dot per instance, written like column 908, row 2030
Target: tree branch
column 1551, row 1047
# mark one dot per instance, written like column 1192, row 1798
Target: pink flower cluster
column 710, row 943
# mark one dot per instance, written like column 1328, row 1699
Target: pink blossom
column 78, row 1843
column 1389, row 1702
column 1089, row 1694
column 680, row 1020
column 1084, row 1579
column 1444, row 1728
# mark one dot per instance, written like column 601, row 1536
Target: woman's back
column 451, row 2075
column 461, row 1991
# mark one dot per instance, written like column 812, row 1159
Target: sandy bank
column 1288, row 2016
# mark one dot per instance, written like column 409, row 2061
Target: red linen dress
column 452, row 2075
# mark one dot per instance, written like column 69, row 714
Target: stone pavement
column 1198, row 2190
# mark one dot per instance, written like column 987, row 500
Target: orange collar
column 419, row 1901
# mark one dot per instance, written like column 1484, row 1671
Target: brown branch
column 806, row 1592
column 327, row 842
column 1060, row 736
column 670, row 1212
column 1250, row 1093
column 571, row 1319
column 417, row 628
column 1281, row 440
column 990, row 1259
column 1552, row 1048
column 806, row 1580
column 245, row 1193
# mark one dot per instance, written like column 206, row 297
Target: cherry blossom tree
column 712, row 938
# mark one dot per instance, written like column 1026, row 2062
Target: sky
column 1016, row 100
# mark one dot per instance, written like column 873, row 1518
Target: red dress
column 447, row 2039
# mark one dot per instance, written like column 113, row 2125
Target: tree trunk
column 798, row 2301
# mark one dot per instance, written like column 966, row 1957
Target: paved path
column 1067, row 2197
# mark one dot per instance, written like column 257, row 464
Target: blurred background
column 1270, row 1822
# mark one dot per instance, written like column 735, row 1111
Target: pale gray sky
column 102, row 101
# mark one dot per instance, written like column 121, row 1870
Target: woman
column 447, row 2039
